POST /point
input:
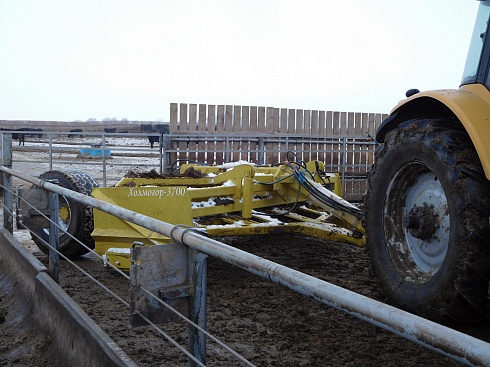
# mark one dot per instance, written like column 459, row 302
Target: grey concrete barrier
column 19, row 262
column 77, row 337
column 82, row 340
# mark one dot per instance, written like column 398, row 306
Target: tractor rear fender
column 470, row 105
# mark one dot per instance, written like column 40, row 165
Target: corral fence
column 191, row 248
column 217, row 134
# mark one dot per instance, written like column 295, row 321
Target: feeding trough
column 95, row 152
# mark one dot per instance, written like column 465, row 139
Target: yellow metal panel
column 320, row 230
column 471, row 104
column 170, row 204
column 119, row 260
column 169, row 181
column 204, row 193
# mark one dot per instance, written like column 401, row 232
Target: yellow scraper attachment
column 239, row 199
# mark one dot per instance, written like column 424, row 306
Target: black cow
column 35, row 133
column 153, row 138
column 21, row 137
column 20, row 134
column 109, row 129
column 75, row 131
column 161, row 130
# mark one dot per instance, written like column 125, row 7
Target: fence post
column 261, row 151
column 162, row 150
column 162, row 153
column 54, row 258
column 197, row 306
column 344, row 161
column 227, row 149
column 50, row 150
column 165, row 155
column 104, row 161
column 8, row 200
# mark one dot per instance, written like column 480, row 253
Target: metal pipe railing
column 451, row 343
column 265, row 149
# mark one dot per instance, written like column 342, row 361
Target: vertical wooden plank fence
column 244, row 143
column 217, row 134
column 220, row 129
column 202, row 154
column 272, row 126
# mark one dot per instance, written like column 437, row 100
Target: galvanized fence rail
column 350, row 156
column 456, row 345
column 106, row 156
column 109, row 155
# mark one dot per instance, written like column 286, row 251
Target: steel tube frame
column 198, row 308
column 54, row 257
column 8, row 197
column 451, row 343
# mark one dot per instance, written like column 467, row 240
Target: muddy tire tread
column 82, row 183
column 464, row 293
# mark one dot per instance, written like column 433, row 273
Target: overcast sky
column 79, row 59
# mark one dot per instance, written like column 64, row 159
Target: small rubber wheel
column 427, row 221
column 74, row 218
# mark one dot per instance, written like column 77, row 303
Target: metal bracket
column 165, row 271
column 175, row 293
column 30, row 215
column 177, row 275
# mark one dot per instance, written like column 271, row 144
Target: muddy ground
column 266, row 323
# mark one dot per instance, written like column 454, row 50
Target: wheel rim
column 64, row 217
column 417, row 223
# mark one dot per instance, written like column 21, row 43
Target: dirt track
column 268, row 324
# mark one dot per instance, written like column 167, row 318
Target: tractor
column 428, row 202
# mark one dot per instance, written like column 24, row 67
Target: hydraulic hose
column 329, row 201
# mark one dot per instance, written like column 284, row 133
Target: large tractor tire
column 74, row 217
column 427, row 221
